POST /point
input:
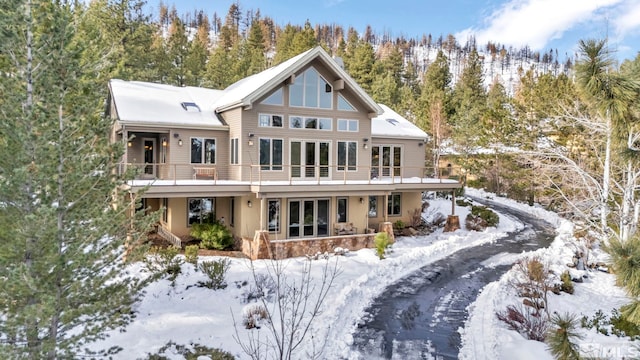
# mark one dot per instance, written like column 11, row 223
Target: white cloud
column 536, row 22
column 629, row 21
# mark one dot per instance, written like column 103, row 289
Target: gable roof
column 143, row 102
column 390, row 124
column 248, row 90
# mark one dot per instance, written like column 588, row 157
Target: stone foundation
column 260, row 247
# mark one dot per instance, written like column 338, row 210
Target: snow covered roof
column 249, row 89
column 391, row 124
column 142, row 102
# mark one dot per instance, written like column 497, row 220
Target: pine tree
column 63, row 215
column 469, row 99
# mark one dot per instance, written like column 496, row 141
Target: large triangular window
column 310, row 90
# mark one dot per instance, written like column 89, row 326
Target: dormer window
column 190, row 106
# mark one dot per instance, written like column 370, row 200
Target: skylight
column 190, row 106
column 393, row 122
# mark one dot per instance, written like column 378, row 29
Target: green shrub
column 561, row 338
column 216, row 271
column 191, row 254
column 486, row 214
column 399, row 224
column 621, row 326
column 463, row 202
column 567, row 284
column 212, row 235
column 191, row 351
column 381, row 241
column 164, row 262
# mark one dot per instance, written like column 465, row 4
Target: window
column 347, row 125
column 165, row 209
column 309, row 159
column 201, row 210
column 373, row 206
column 393, row 206
column 342, row 210
column 310, row 90
column 234, row 151
column 273, row 207
column 343, row 104
column 232, row 210
column 190, row 107
column 203, row 151
column 274, row 99
column 386, row 161
column 300, row 122
column 347, row 155
column 268, row 120
column 270, row 154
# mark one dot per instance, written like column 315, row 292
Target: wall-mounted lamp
column 361, row 200
column 179, row 142
column 365, row 141
column 129, row 143
column 249, row 203
column 251, row 135
column 164, row 142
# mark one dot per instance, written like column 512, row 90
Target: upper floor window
column 234, row 151
column 302, row 122
column 311, row 90
column 274, row 99
column 347, row 125
column 270, row 154
column 268, row 120
column 347, row 155
column 203, row 151
column 343, row 104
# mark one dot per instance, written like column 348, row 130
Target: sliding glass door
column 308, row 218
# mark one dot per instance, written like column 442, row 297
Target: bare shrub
column 523, row 321
column 252, row 316
column 289, row 318
column 533, row 282
column 216, row 271
column 415, row 217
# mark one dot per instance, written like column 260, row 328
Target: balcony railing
column 288, row 174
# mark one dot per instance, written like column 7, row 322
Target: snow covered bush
column 216, row 271
column 191, row 254
column 252, row 316
column 164, row 262
column 480, row 218
column 264, row 288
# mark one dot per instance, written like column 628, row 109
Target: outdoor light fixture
column 164, row 142
column 129, row 143
column 179, row 142
column 251, row 135
column 249, row 203
column 361, row 200
column 365, row 140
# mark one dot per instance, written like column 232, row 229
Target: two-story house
column 296, row 152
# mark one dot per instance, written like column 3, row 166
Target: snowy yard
column 186, row 314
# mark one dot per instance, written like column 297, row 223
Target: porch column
column 453, row 202
column 263, row 205
column 385, row 207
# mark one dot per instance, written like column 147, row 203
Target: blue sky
column 541, row 24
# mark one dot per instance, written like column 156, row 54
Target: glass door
column 309, row 159
column 308, row 218
column 149, row 156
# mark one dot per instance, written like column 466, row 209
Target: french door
column 309, row 159
column 149, row 156
column 386, row 161
column 308, row 218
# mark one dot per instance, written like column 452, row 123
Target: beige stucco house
column 294, row 153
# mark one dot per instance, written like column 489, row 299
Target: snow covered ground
column 186, row 314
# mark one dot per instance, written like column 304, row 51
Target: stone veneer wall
column 260, row 247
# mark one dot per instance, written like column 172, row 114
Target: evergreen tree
column 435, row 102
column 361, row 65
column 196, row 60
column 63, row 214
column 469, row 98
column 177, row 50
